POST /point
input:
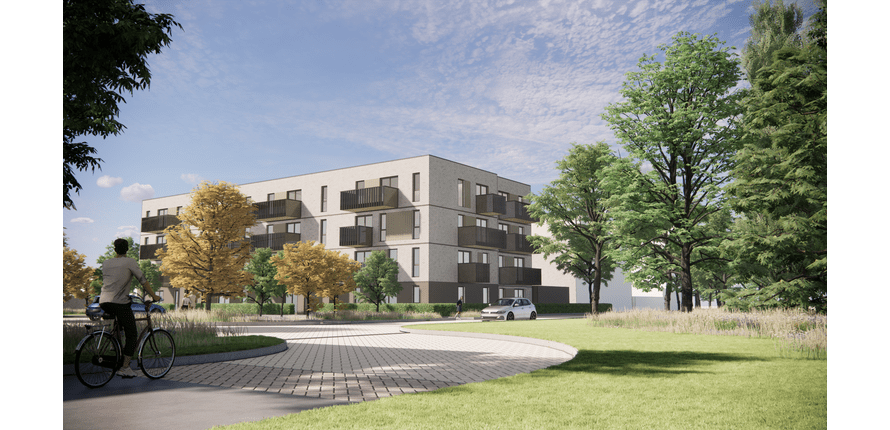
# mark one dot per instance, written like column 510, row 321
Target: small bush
column 251, row 308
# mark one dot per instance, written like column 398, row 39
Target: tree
column 206, row 253
column 573, row 209
column 309, row 270
column 340, row 278
column 377, row 279
column 773, row 27
column 76, row 276
column 780, row 180
column 264, row 286
column 105, row 44
column 152, row 275
column 679, row 118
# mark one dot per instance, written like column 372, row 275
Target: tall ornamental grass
column 797, row 333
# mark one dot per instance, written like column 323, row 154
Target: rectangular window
column 382, row 227
column 393, row 254
column 503, row 194
column 162, row 212
column 416, row 234
column 270, row 197
column 481, row 189
column 416, row 294
column 481, row 222
column 295, row 195
column 178, row 210
column 518, row 262
column 460, row 293
column 324, row 198
column 146, row 240
column 324, row 232
column 363, row 221
column 484, row 294
column 415, row 262
column 518, row 293
column 460, row 220
column 361, row 256
column 463, row 257
column 484, row 258
column 415, row 179
column 503, row 227
column 500, row 293
column 146, row 213
column 269, row 229
column 160, row 240
column 293, row 227
column 521, row 230
column 359, row 185
column 462, row 187
column 500, row 261
column 392, row 181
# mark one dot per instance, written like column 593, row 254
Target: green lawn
column 621, row 378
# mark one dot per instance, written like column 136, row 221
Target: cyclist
column 115, row 297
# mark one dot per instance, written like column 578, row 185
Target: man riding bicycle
column 115, row 297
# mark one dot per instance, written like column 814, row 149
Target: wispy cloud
column 191, row 178
column 137, row 192
column 108, row 181
column 82, row 220
column 128, row 231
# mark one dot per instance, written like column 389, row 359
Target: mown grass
column 194, row 332
column 620, row 379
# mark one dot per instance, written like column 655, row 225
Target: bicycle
column 98, row 356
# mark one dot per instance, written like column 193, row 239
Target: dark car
column 136, row 303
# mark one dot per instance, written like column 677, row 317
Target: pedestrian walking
column 460, row 304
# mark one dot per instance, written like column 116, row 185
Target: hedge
column 251, row 308
column 448, row 309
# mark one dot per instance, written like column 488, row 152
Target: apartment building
column 454, row 230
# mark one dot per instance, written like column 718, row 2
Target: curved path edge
column 532, row 341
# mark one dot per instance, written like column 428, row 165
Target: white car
column 509, row 309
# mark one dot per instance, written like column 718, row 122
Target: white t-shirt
column 116, row 274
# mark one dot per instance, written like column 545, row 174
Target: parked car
column 509, row 309
column 136, row 303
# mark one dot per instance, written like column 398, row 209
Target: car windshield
column 505, row 302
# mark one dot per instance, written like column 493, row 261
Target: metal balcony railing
column 156, row 224
column 519, row 276
column 275, row 210
column 356, row 236
column 517, row 212
column 369, row 199
column 481, row 237
column 473, row 273
column 491, row 204
column 518, row 243
column 275, row 241
column 147, row 252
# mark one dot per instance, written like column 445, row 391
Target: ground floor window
column 416, row 294
column 484, row 294
column 518, row 293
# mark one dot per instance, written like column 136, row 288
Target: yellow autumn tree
column 76, row 276
column 207, row 251
column 308, row 269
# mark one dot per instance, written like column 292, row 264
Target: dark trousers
column 127, row 321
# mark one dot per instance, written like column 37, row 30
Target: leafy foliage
column 378, row 279
column 76, row 276
column 264, row 286
column 573, row 209
column 309, row 270
column 105, row 44
column 206, row 253
column 679, row 118
column 773, row 26
column 780, row 247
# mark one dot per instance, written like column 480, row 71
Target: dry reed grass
column 798, row 334
column 349, row 315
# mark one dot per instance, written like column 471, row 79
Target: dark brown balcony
column 369, row 199
column 473, row 273
column 517, row 212
column 356, row 236
column 519, row 276
column 147, row 252
column 157, row 224
column 491, row 204
column 518, row 243
column 481, row 237
column 275, row 241
column 276, row 210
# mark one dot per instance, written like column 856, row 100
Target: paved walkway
column 323, row 365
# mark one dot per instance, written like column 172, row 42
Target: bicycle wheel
column 156, row 354
column 96, row 359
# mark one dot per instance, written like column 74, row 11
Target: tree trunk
column 686, row 277
column 698, row 300
column 677, row 293
column 207, row 298
column 667, row 297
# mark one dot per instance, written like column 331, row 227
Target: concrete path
column 323, row 365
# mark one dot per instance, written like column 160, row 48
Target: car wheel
column 533, row 316
column 510, row 316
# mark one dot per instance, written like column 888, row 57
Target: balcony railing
column 481, row 237
column 491, row 204
column 356, row 236
column 276, row 210
column 518, row 243
column 275, row 241
column 369, row 199
column 156, row 224
column 517, row 212
column 147, row 252
column 519, row 276
column 473, row 273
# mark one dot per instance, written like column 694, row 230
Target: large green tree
column 105, row 44
column 781, row 177
column 264, row 286
column 377, row 279
column 774, row 25
column 573, row 210
column 679, row 119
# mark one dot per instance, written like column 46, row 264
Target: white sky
column 250, row 91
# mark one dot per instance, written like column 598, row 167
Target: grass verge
column 620, row 379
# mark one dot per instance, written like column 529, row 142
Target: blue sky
column 250, row 91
